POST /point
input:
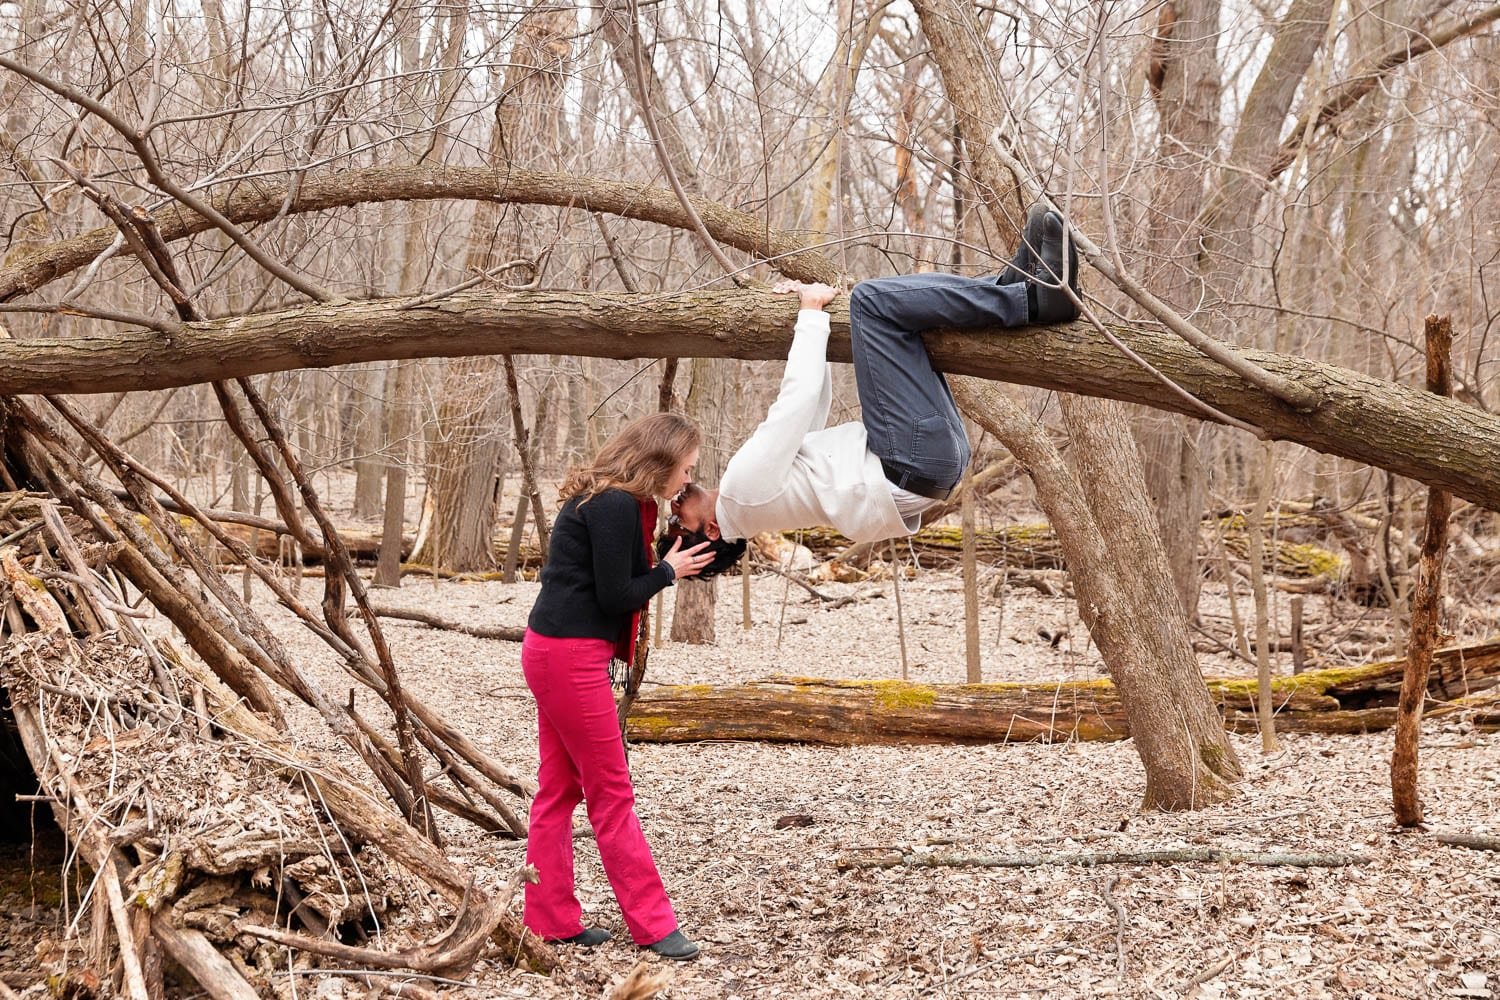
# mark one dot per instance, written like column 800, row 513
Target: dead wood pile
column 1315, row 545
column 212, row 840
column 854, row 712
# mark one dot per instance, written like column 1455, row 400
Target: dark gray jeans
column 908, row 409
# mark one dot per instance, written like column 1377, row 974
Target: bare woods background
column 1311, row 179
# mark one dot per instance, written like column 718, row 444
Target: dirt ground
column 779, row 917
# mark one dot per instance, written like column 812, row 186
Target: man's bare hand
column 814, row 295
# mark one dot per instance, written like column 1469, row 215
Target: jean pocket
column 938, row 451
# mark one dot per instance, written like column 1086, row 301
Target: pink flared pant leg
column 582, row 757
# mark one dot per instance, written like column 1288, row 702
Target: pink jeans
column 582, row 758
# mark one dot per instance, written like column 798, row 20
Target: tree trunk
column 1425, row 603
column 463, row 472
column 463, row 460
column 1188, row 103
column 398, row 391
column 693, row 608
column 693, row 614
column 369, row 440
column 1189, row 760
column 1119, row 572
column 1101, row 515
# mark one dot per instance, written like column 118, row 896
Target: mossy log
column 854, row 712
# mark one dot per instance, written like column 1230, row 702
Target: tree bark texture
column 693, row 613
column 1371, row 420
column 1188, row 106
column 1189, row 761
column 890, row 712
column 1107, row 532
column 464, row 467
column 978, row 105
column 1426, row 602
column 463, row 460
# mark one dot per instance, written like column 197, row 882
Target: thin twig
column 136, row 136
column 492, row 274
column 649, row 117
column 1120, row 921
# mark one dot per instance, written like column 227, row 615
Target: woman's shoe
column 675, row 946
column 589, row 937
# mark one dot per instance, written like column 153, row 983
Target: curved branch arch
column 253, row 201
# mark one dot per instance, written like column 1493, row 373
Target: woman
column 597, row 577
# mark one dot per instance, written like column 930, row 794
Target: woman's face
column 682, row 475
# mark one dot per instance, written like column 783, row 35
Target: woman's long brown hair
column 639, row 459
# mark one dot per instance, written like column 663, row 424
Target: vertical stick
column 527, row 452
column 900, row 617
column 971, row 580
column 745, row 589
column 1235, row 621
column 1299, row 652
column 1255, row 534
column 1424, row 603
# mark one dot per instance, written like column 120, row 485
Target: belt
column 913, row 483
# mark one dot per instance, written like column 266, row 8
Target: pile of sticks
column 171, row 774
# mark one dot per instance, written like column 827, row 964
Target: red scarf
column 625, row 645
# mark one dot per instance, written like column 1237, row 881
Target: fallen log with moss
column 862, row 712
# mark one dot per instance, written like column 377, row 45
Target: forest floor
column 778, row 918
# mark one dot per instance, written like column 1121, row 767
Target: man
column 872, row 479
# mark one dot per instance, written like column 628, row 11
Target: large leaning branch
column 255, row 201
column 1438, row 442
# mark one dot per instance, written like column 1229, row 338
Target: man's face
column 689, row 511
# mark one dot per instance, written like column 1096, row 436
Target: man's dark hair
column 725, row 552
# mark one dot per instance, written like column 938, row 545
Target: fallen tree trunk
column 861, row 712
column 1035, row 546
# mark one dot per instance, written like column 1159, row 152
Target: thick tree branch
column 1439, row 442
column 257, row 201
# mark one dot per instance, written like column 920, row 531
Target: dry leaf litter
column 749, row 836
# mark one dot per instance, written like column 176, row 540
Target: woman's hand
column 687, row 562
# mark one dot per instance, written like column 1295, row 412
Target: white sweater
column 796, row 472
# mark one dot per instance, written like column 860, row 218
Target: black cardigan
column 597, row 574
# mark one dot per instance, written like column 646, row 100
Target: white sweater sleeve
column 758, row 471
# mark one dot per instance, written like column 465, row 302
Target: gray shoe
column 676, row 947
column 1019, row 269
column 589, row 937
column 1049, row 303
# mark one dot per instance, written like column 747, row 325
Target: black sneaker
column 1048, row 302
column 676, row 947
column 589, row 937
column 1019, row 269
